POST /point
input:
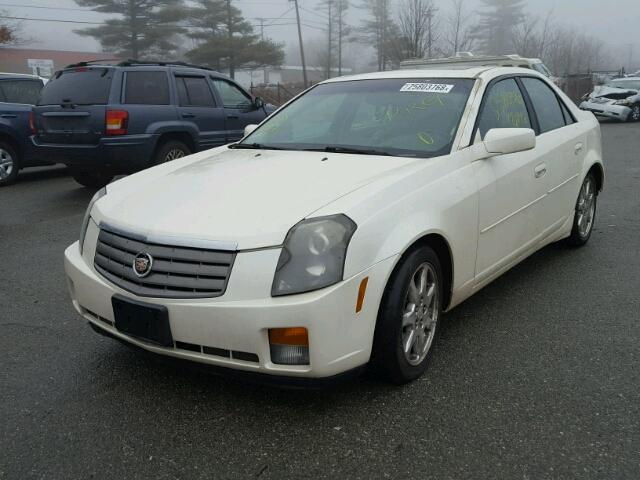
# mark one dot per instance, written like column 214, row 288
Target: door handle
column 233, row 117
column 8, row 115
column 578, row 148
column 188, row 115
column 540, row 170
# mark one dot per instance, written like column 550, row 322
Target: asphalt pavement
column 537, row 376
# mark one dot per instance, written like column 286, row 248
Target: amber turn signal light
column 361, row 292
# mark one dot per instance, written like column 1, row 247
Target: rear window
column 20, row 91
column 147, row 88
column 82, row 86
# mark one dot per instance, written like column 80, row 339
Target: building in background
column 43, row 62
column 285, row 74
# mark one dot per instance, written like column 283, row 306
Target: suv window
column 504, row 107
column 20, row 91
column 146, row 88
column 194, row 91
column 545, row 104
column 232, row 96
column 79, row 86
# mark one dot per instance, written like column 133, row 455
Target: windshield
column 633, row 84
column 80, row 86
column 400, row 117
column 542, row 68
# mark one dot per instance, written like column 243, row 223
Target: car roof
column 625, row 78
column 457, row 72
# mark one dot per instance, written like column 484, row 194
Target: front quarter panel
column 439, row 197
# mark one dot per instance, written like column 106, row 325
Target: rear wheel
column 92, row 179
column 409, row 317
column 171, row 150
column 9, row 164
column 585, row 213
column 634, row 116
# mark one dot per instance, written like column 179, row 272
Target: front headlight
column 622, row 102
column 85, row 221
column 313, row 255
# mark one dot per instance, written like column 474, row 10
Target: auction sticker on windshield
column 427, row 87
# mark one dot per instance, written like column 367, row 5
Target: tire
column 9, row 164
column 170, row 150
column 634, row 116
column 585, row 211
column 395, row 320
column 92, row 179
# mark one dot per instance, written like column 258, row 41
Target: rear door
column 197, row 105
column 16, row 98
column 561, row 144
column 72, row 105
column 238, row 107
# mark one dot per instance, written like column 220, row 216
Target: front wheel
column 634, row 116
column 9, row 165
column 585, row 212
column 408, row 318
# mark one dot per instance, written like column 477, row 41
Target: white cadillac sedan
column 336, row 233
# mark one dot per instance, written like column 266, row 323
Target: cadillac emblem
column 142, row 264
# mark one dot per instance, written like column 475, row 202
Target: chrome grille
column 176, row 272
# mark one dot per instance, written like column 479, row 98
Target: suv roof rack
column 129, row 63
column 90, row 62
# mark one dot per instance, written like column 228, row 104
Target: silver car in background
column 618, row 99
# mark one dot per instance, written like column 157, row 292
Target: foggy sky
column 614, row 21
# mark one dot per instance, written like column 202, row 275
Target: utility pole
column 265, row 72
column 304, row 65
column 340, row 14
column 430, row 36
column 329, row 5
column 232, row 70
column 261, row 20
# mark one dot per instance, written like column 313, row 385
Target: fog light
column 289, row 346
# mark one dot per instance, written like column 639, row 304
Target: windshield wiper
column 356, row 150
column 254, row 146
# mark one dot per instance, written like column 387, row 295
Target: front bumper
column 340, row 339
column 123, row 154
column 617, row 112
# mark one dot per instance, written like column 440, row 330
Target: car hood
column 612, row 93
column 247, row 197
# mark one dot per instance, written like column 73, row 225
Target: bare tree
column 375, row 29
column 416, row 26
column 457, row 35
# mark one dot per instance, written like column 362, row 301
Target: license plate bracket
column 144, row 321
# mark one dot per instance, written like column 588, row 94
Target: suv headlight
column 313, row 255
column 85, row 221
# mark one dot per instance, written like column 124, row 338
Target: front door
column 508, row 193
column 238, row 107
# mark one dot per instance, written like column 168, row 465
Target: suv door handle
column 540, row 170
column 188, row 115
column 8, row 115
column 233, row 117
column 578, row 148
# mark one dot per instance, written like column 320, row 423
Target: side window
column 545, row 104
column 503, row 107
column 232, row 96
column 568, row 118
column 194, row 92
column 146, row 88
column 20, row 91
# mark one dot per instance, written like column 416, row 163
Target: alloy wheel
column 635, row 113
column 173, row 154
column 420, row 314
column 6, row 164
column 586, row 208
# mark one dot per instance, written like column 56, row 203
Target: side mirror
column 249, row 128
column 258, row 103
column 502, row 141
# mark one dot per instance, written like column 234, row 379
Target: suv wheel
column 8, row 164
column 171, row 150
column 93, row 179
